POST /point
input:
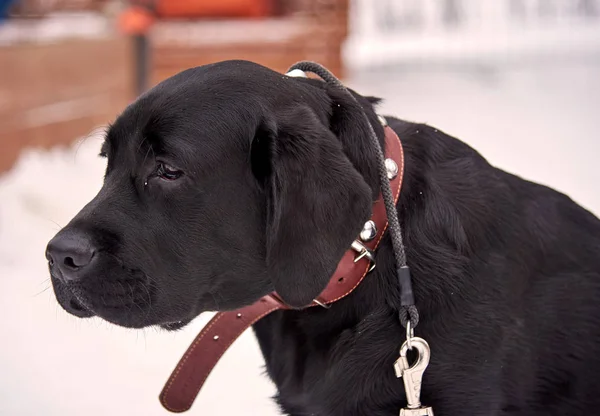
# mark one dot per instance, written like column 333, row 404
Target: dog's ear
column 348, row 124
column 317, row 202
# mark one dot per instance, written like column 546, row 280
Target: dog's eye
column 167, row 172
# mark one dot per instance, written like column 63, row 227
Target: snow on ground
column 539, row 122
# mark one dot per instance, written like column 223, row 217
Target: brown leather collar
column 217, row 336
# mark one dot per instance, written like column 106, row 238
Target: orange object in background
column 139, row 17
column 213, row 8
column 135, row 20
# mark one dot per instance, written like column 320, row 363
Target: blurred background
column 519, row 80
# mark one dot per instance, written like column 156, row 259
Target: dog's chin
column 78, row 303
column 75, row 308
column 175, row 326
column 79, row 310
column 69, row 302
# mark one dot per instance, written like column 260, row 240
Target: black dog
column 228, row 181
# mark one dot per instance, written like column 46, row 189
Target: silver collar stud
column 297, row 73
column 369, row 231
column 392, row 169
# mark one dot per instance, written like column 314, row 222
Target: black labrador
column 228, row 181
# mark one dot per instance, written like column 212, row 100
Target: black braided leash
column 408, row 311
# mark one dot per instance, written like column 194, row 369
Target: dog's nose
column 70, row 252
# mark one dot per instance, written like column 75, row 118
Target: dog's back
column 531, row 269
column 556, row 343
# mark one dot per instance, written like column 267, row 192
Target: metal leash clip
column 413, row 376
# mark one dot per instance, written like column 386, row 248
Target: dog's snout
column 70, row 252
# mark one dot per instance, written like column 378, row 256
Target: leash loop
column 409, row 315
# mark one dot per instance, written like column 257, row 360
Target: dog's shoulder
column 453, row 198
column 451, row 169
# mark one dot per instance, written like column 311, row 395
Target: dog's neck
column 359, row 336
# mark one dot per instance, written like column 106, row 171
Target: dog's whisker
column 149, row 304
column 145, row 286
column 167, row 298
column 84, row 139
column 157, row 287
column 147, row 152
column 53, row 222
column 41, row 291
column 144, row 139
column 129, row 293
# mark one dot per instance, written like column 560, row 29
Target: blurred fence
column 386, row 31
column 65, row 68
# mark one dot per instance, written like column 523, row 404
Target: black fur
column 278, row 178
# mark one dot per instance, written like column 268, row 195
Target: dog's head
column 223, row 183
